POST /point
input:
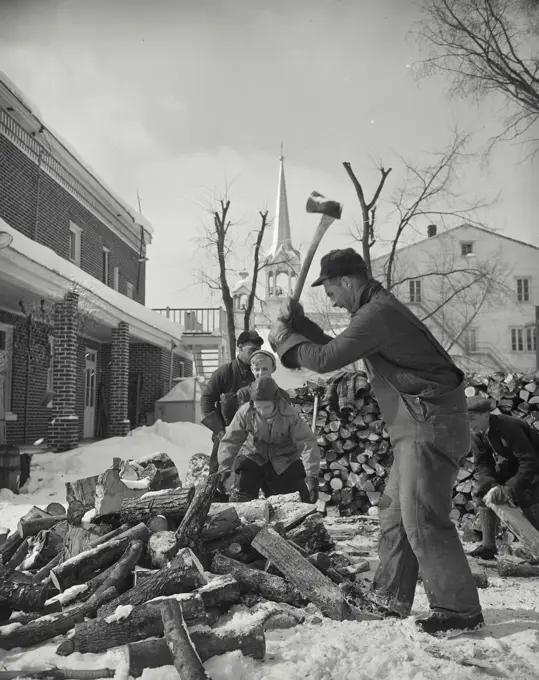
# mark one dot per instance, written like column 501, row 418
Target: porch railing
column 198, row 321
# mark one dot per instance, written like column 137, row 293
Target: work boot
column 365, row 602
column 484, row 552
column 437, row 622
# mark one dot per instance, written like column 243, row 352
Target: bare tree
column 257, row 267
column 486, row 47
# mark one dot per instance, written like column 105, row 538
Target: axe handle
column 323, row 226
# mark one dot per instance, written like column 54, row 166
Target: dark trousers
column 251, row 478
column 416, row 531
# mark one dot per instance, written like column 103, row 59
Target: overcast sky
column 181, row 98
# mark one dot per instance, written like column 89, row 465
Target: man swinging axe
column 421, row 395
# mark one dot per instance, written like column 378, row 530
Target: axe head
column 317, row 203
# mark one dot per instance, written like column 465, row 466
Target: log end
column 66, row 647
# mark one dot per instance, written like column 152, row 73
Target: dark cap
column 265, row 389
column 341, row 263
column 250, row 337
column 480, row 404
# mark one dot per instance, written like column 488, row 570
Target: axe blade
column 318, row 203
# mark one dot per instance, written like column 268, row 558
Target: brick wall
column 27, row 195
column 154, row 364
column 119, row 381
column 38, row 417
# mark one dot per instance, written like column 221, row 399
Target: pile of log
column 164, row 572
column 356, row 448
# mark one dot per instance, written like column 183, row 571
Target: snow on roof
column 86, row 284
column 186, row 389
column 240, row 284
column 34, row 110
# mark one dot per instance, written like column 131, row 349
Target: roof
column 7, row 85
column 460, row 226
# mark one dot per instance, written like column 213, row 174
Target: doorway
column 90, row 393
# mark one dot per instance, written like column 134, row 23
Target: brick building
column 80, row 355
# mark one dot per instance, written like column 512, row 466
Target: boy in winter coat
column 278, row 449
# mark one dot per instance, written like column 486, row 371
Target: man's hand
column 312, row 487
column 499, row 495
column 291, row 309
column 280, row 330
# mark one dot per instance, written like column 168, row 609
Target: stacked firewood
column 124, row 566
column 356, row 449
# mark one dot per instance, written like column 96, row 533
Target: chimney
column 431, row 230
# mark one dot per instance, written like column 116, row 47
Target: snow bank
column 50, row 471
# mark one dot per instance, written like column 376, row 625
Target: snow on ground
column 50, row 471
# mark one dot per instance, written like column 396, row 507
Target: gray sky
column 182, row 98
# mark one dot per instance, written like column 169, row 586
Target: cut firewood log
column 312, row 535
column 162, row 546
column 258, row 510
column 121, row 571
column 10, row 547
column 184, row 655
column 59, row 674
column 519, row 525
column 242, row 538
column 52, row 625
column 19, row 555
column 188, row 534
column 171, row 503
column 155, row 653
column 292, row 514
column 129, row 624
column 55, row 508
column 15, row 542
column 111, row 491
column 250, row 580
column 167, row 473
column 513, row 568
column 31, row 527
column 78, row 538
column 184, row 575
column 220, row 591
column 158, row 523
column 24, row 595
column 222, row 523
column 80, row 497
column 79, row 569
column 313, row 585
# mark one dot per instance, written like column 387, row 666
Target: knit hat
column 263, row 353
column 480, row 404
column 265, row 389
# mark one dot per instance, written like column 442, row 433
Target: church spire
column 282, row 237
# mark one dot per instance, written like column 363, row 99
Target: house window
column 116, row 278
column 130, row 290
column 6, row 355
column 415, row 291
column 471, row 340
column 182, row 369
column 531, row 338
column 106, row 261
column 523, row 290
column 517, row 339
column 466, row 248
column 75, row 242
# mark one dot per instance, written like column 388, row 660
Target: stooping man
column 421, row 396
column 506, row 464
column 223, row 385
column 279, row 453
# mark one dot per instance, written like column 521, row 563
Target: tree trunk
column 316, row 587
column 143, row 621
column 173, row 504
column 121, row 571
column 250, row 580
column 80, row 568
column 24, row 596
column 188, row 534
column 184, row 655
column 31, row 527
column 41, row 630
column 223, row 590
column 155, row 653
column 179, row 577
column 509, row 568
column 221, row 523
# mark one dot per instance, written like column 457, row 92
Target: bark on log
column 515, row 520
column 79, row 569
column 162, row 547
column 110, row 491
column 180, row 577
column 59, row 674
column 258, row 510
column 155, row 653
column 80, row 496
column 41, row 630
column 25, row 597
column 242, row 537
column 221, row 523
column 510, row 568
column 173, row 504
column 223, row 590
column 167, row 473
column 19, row 555
column 10, row 547
column 143, row 621
column 250, row 580
column 122, row 569
column 184, row 655
column 305, row 577
column 312, row 535
column 188, row 534
column 31, row 527
column 289, row 514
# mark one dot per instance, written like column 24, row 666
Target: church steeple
column 282, row 237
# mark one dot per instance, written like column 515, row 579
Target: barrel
column 10, row 467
